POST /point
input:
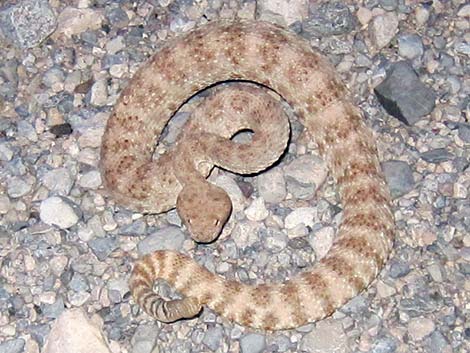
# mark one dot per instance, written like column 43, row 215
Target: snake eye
column 216, row 222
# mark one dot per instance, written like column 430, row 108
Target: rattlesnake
column 278, row 59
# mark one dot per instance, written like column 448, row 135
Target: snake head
column 203, row 210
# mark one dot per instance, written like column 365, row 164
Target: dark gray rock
column 398, row 268
column 464, row 268
column 357, row 305
column 61, row 130
column 464, row 132
column 420, row 304
column 399, row 177
column 330, row 18
column 460, row 164
column 436, row 342
column 53, row 310
column 437, row 155
column 403, row 95
column 12, row 346
column 102, row 247
column 39, row 333
column 117, row 17
column 28, row 23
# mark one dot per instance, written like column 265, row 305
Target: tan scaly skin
column 284, row 62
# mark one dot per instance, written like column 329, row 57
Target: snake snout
column 204, row 215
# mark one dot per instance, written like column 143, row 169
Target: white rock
column 58, row 263
column 245, row 233
column 301, row 215
column 6, row 154
column 464, row 11
column 91, row 137
column 90, row 180
column 72, row 21
column 233, row 191
column 118, row 70
column 276, row 241
column 435, row 272
column 272, row 186
column 114, row 45
column 460, row 191
column 322, row 241
column 167, row 238
column 383, row 28
column 73, row 332
column 257, row 210
column 58, row 181
column 307, row 169
column 119, row 285
column 289, row 10
column 364, row 15
column 99, row 93
column 59, row 211
column 384, row 290
column 144, row 338
column 420, row 327
column 422, row 15
column 320, row 339
column 19, row 186
column 78, row 299
column 4, row 204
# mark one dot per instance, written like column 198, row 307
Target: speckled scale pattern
column 284, row 62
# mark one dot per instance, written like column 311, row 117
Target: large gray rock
column 329, row 18
column 437, row 155
column 403, row 95
column 28, row 23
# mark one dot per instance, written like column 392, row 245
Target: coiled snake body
column 276, row 58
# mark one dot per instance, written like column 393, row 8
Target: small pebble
column 410, row 46
column 257, row 210
column 272, row 186
column 253, row 343
column 399, row 177
column 383, row 28
column 168, row 238
column 12, row 346
column 420, row 327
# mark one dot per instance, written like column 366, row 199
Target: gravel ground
column 64, row 245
